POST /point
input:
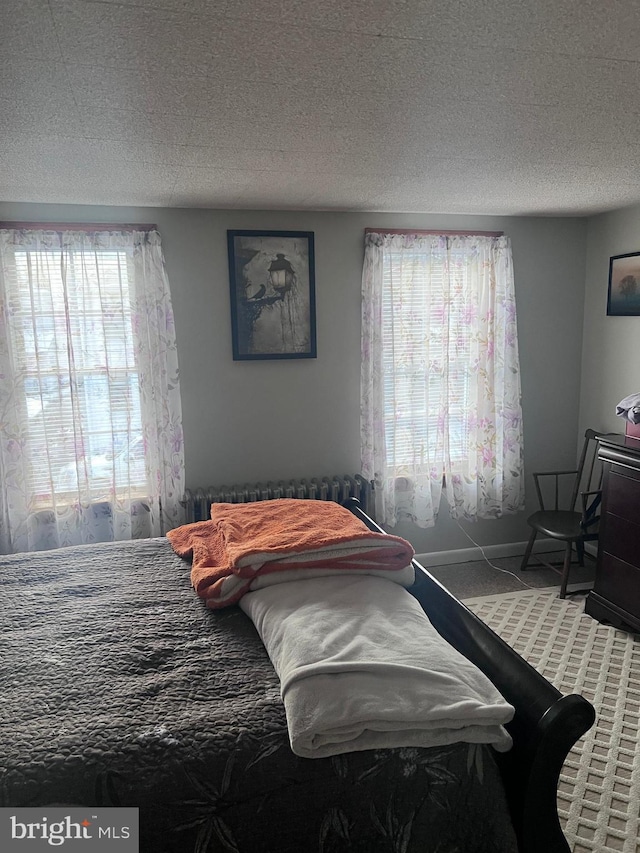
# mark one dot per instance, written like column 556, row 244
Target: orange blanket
column 243, row 541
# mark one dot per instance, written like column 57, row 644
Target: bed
column 120, row 688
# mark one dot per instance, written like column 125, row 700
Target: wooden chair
column 570, row 525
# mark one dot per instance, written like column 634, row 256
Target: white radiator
column 197, row 502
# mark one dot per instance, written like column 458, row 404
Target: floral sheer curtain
column 91, row 442
column 440, row 378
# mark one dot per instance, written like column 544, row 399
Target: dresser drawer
column 621, row 538
column 623, row 496
column 619, row 583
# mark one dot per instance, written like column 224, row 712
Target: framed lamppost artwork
column 272, row 280
column 624, row 285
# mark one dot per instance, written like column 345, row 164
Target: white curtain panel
column 91, row 445
column 440, row 377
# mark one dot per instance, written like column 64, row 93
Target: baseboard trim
column 508, row 549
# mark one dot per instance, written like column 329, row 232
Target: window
column 427, row 362
column 92, row 425
column 440, row 387
column 72, row 340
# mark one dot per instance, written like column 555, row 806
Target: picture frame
column 623, row 299
column 272, row 285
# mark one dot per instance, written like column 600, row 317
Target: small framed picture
column 272, row 280
column 624, row 285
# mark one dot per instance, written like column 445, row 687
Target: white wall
column 611, row 350
column 257, row 420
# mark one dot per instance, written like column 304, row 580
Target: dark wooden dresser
column 615, row 597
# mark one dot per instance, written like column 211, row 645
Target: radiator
column 197, row 502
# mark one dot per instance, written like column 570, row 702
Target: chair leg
column 527, row 553
column 565, row 571
column 580, row 550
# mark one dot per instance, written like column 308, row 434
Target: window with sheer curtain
column 90, row 431
column 440, row 387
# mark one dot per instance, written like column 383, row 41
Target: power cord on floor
column 487, row 560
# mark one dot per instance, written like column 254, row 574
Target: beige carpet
column 599, row 788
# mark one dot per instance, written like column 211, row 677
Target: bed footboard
column 546, row 724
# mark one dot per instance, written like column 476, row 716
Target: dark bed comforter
column 119, row 687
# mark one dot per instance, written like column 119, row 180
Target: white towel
column 405, row 577
column 361, row 667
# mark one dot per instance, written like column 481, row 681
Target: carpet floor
column 599, row 787
column 502, row 574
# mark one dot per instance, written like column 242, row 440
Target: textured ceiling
column 461, row 106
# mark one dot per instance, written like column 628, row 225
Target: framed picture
column 272, row 279
column 624, row 285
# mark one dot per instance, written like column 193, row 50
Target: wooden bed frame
column 546, row 723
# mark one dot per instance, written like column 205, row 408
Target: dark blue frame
column 632, row 308
column 237, row 318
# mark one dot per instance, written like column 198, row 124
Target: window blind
column 72, row 339
column 426, row 355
